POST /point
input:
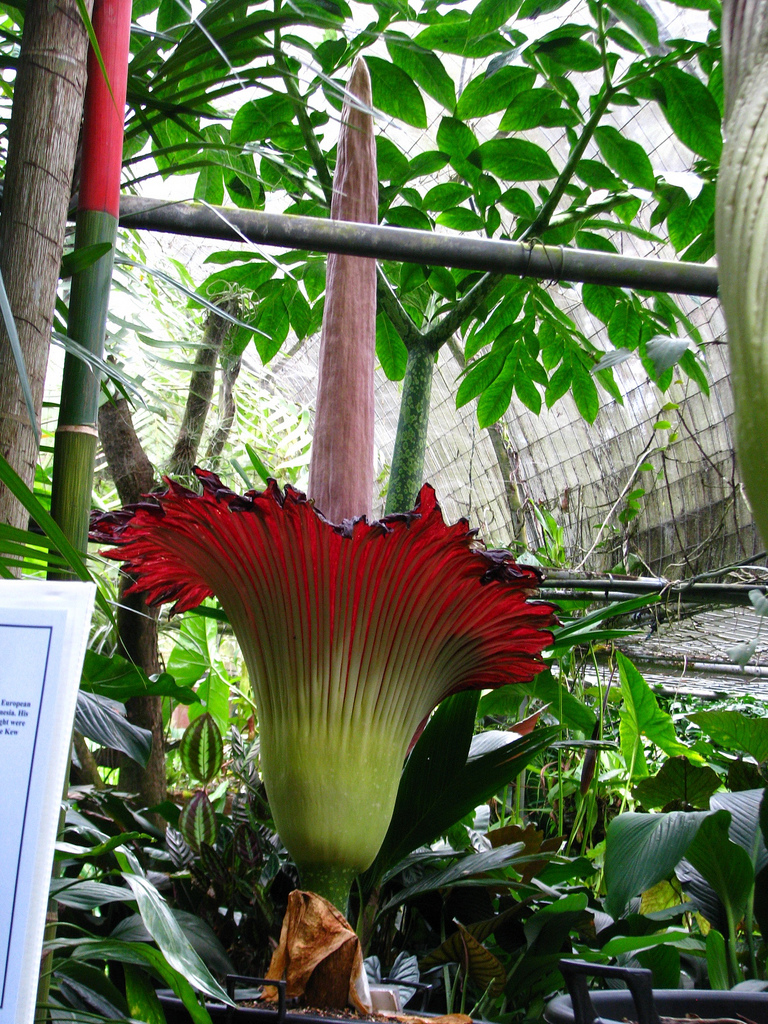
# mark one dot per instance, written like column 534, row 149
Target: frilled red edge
column 405, row 595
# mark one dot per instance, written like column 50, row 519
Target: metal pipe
column 620, row 588
column 550, row 263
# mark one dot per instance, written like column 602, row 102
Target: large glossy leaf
column 439, row 785
column 745, row 808
column 463, row 871
column 103, row 721
column 119, row 679
column 725, row 865
column 692, row 113
column 201, row 937
column 626, row 157
column 141, row 954
column 395, row 92
column 735, row 731
column 568, row 709
column 424, row 68
column 678, row 780
column 642, row 849
column 517, row 160
column 86, row 894
column 642, row 716
column 485, row 94
column 169, row 936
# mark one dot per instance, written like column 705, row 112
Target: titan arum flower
column 741, row 224
column 352, row 631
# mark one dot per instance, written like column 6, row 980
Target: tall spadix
column 341, row 466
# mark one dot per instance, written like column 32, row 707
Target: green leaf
column 395, row 93
column 517, row 160
column 637, row 19
column 86, row 894
column 527, row 392
column 495, row 399
column 464, row 870
column 717, row 960
column 452, row 35
column 641, row 716
column 390, row 348
column 735, row 731
column 408, row 217
column 143, row 1003
column 167, row 933
column 197, row 822
column 723, row 863
column 490, row 15
column 91, row 987
column 686, row 221
column 600, row 300
column 425, row 69
column 487, row 94
column 81, row 259
column 559, row 383
column 446, row 196
column 678, row 780
column 480, row 376
column 571, row 53
column 439, row 785
column 119, row 679
column 460, row 218
column 625, row 326
column 626, row 157
column 391, row 163
column 458, row 141
column 692, row 113
column 584, row 392
column 568, row 710
column 202, row 749
column 643, row 849
column 98, row 720
column 532, row 109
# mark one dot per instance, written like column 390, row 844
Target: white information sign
column 43, row 635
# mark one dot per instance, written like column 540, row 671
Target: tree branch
column 389, row 302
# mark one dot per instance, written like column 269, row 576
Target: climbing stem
column 411, row 439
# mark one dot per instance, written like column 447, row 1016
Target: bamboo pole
column 97, row 220
column 546, row 262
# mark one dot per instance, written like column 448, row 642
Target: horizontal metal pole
column 548, row 263
column 620, row 588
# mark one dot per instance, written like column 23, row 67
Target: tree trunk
column 42, row 142
column 184, row 455
column 134, row 476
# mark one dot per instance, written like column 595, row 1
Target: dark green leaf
column 408, row 217
column 532, row 109
column 460, row 218
column 458, row 141
column 480, row 376
column 392, row 164
column 643, row 849
column 596, row 175
column 197, row 822
column 527, row 392
column 98, row 719
column 202, row 749
column 626, row 157
column 119, row 679
column 425, row 69
column 625, row 326
column 168, row 935
column 490, row 15
column 600, row 300
column 679, row 780
column 452, row 35
column 692, row 113
column 495, row 399
column 571, row 53
column 517, row 160
column 390, row 349
column 734, row 731
column 723, row 863
column 143, row 1003
column 584, row 392
column 638, row 19
column 559, row 383
column 395, row 93
column 486, row 94
column 445, row 196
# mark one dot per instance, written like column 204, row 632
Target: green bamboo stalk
column 407, row 472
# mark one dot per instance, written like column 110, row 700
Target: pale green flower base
column 331, row 792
